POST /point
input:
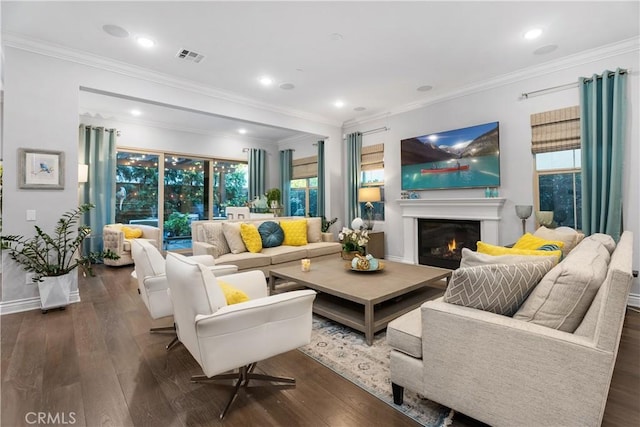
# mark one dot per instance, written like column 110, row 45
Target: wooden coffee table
column 364, row 301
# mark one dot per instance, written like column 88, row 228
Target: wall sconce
column 83, row 173
column 524, row 212
column 367, row 195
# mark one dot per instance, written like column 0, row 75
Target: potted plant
column 353, row 242
column 273, row 197
column 52, row 258
column 326, row 224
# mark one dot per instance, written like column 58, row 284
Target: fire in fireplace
column 440, row 241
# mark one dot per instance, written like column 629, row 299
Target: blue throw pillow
column 271, row 234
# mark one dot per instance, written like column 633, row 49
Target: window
column 303, row 197
column 559, row 186
column 555, row 143
column 303, row 192
column 136, row 188
column 372, row 175
column 192, row 189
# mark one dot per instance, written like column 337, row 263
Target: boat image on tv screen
column 461, row 158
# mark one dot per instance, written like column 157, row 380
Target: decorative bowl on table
column 365, row 263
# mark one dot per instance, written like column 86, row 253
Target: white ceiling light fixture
column 545, row 49
column 359, row 109
column 266, row 81
column 287, row 86
column 136, row 113
column 532, row 34
column 145, row 42
column 424, row 88
column 242, row 131
column 339, row 103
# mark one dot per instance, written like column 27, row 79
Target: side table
column 375, row 246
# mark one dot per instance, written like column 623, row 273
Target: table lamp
column 524, row 212
column 545, row 218
column 367, row 195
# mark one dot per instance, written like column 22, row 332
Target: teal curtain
column 602, row 121
column 97, row 148
column 354, row 158
column 256, row 173
column 286, row 161
column 321, row 183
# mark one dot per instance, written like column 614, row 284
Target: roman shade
column 372, row 157
column 555, row 130
column 306, row 167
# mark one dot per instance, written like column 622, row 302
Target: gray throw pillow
column 231, row 232
column 214, row 236
column 498, row 288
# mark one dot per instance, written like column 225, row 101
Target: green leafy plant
column 177, row 224
column 273, row 195
column 48, row 255
column 326, row 224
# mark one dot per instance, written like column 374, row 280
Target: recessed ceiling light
column 242, row 131
column 339, row 103
column 145, row 42
column 336, row 36
column 533, row 34
column 115, row 31
column 359, row 109
column 136, row 112
column 545, row 49
column 266, row 81
column 287, row 86
column 424, row 88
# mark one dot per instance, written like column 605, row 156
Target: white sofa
column 509, row 372
column 114, row 240
column 205, row 233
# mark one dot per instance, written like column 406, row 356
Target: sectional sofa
column 219, row 239
column 550, row 364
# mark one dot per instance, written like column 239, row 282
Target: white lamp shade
column 83, row 173
column 524, row 211
column 369, row 194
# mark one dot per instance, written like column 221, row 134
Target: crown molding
column 570, row 61
column 99, row 115
column 112, row 65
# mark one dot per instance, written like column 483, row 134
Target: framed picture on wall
column 40, row 169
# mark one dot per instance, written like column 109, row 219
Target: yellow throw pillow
column 485, row 248
column 529, row 241
column 233, row 295
column 131, row 233
column 295, row 232
column 251, row 237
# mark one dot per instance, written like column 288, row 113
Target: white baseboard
column 33, row 303
column 634, row 300
column 398, row 259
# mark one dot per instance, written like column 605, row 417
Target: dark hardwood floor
column 95, row 364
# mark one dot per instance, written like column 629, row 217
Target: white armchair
column 225, row 337
column 114, row 240
column 152, row 280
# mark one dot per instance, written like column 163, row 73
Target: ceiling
column 371, row 55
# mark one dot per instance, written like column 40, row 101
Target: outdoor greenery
column 48, row 255
column 177, row 225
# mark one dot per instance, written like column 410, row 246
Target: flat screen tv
column 461, row 158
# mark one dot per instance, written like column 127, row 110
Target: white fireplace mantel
column 486, row 210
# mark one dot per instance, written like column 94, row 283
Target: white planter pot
column 55, row 291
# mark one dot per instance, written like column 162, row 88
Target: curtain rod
column 382, row 129
column 367, row 132
column 525, row 95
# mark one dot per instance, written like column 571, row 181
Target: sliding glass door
column 137, row 188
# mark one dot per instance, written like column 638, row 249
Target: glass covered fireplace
column 440, row 241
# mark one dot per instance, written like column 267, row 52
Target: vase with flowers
column 353, row 242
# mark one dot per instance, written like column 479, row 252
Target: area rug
column 345, row 351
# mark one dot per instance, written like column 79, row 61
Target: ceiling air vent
column 189, row 55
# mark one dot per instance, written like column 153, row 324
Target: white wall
column 41, row 103
column 516, row 161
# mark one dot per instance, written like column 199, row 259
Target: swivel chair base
column 244, row 374
column 167, row 330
